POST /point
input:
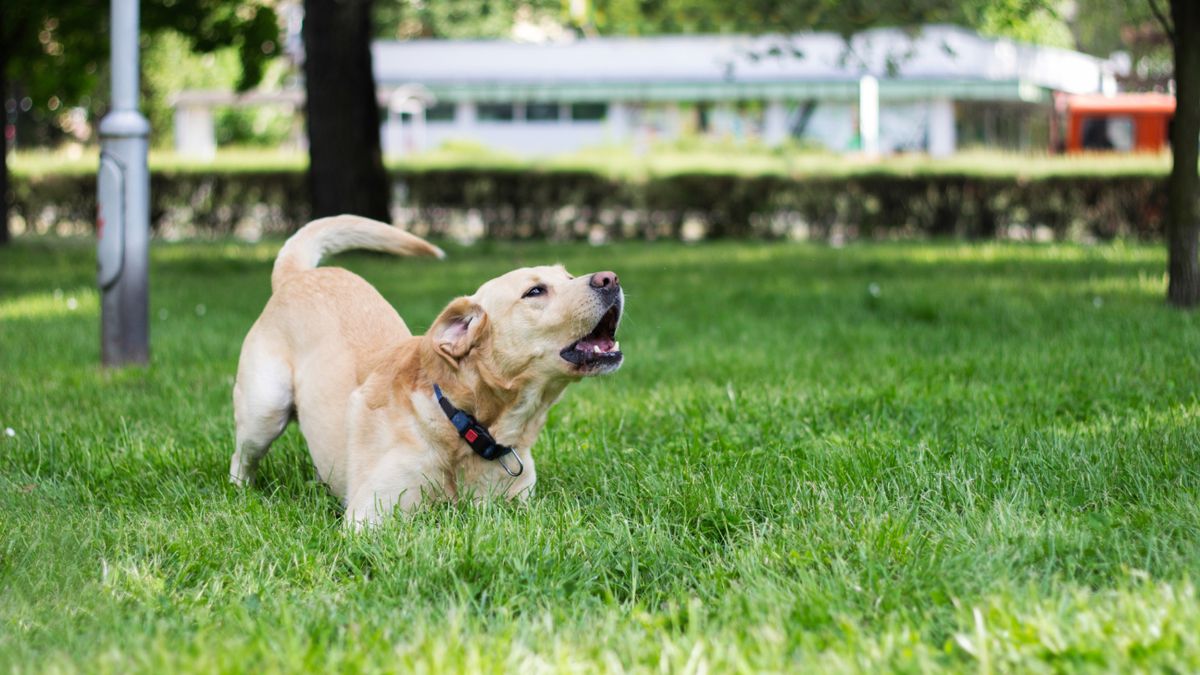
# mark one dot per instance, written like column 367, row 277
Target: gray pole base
column 125, row 299
column 123, row 220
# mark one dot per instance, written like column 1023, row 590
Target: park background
column 884, row 408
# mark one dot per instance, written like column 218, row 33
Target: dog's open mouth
column 599, row 349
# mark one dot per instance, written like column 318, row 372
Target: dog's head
column 536, row 322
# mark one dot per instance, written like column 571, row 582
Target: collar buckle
column 503, row 465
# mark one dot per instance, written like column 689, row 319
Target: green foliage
column 405, row 19
column 1033, row 20
column 1105, row 26
column 54, row 49
column 248, row 127
column 169, row 66
column 895, row 457
column 57, row 50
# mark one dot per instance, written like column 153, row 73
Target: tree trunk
column 1183, row 221
column 346, row 173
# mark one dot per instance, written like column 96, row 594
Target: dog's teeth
column 617, row 346
column 596, row 348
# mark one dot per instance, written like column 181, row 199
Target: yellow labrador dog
column 391, row 418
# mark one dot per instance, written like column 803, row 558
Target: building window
column 589, row 112
column 541, row 112
column 440, row 112
column 495, row 112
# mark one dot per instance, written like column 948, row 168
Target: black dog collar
column 476, row 435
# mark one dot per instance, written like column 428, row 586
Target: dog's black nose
column 605, row 281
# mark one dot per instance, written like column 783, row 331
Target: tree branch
column 1162, row 20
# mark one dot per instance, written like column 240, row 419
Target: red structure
column 1120, row 123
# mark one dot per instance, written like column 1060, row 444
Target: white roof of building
column 937, row 60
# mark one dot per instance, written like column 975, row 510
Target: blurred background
column 602, row 119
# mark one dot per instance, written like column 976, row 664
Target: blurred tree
column 52, row 52
column 345, row 173
column 1102, row 27
column 1162, row 38
column 460, row 19
column 1032, row 20
column 169, row 66
column 1183, row 220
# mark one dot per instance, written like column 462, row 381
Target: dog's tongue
column 594, row 344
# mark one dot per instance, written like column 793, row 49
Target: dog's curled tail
column 326, row 236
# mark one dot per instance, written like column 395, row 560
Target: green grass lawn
column 990, row 463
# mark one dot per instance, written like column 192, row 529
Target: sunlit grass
column 38, row 163
column 906, row 456
column 625, row 162
column 58, row 303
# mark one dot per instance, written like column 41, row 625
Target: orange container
column 1120, row 123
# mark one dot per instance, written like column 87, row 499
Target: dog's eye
column 540, row 289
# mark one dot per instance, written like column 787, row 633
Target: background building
column 937, row 90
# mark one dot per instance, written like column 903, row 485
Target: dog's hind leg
column 262, row 407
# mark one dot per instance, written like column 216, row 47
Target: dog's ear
column 459, row 329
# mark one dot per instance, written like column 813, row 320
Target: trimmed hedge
column 522, row 202
column 182, row 203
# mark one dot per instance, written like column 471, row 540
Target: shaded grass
column 990, row 462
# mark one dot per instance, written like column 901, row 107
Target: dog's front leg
column 485, row 479
column 398, row 480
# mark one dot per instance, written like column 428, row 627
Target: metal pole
column 123, row 218
column 868, row 115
